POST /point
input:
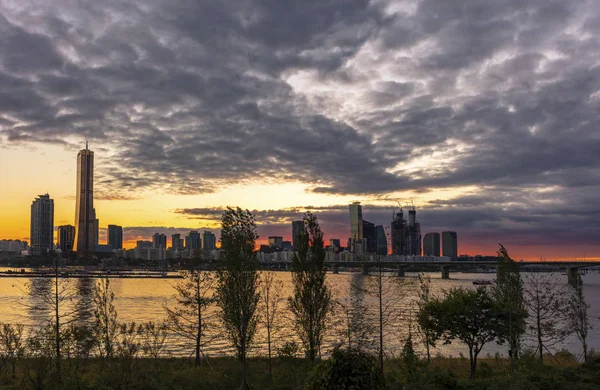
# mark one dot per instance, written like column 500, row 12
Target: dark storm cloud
column 188, row 97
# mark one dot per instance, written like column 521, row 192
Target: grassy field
column 289, row 373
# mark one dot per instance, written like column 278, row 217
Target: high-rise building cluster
column 365, row 237
column 449, row 244
column 406, row 234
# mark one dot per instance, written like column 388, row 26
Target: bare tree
column 153, row 338
column 188, row 318
column 311, row 302
column 58, row 299
column 390, row 293
column 271, row 289
column 12, row 344
column 577, row 315
column 353, row 319
column 547, row 304
column 428, row 337
column 237, row 282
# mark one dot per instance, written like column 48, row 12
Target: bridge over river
column 572, row 268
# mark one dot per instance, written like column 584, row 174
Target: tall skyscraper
column 370, row 235
column 209, row 241
column 42, row 225
column 450, row 245
column 382, row 245
column 356, row 221
column 85, row 214
column 431, row 244
column 297, row 229
column 65, row 237
column 115, row 236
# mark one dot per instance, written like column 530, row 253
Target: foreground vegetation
column 295, row 373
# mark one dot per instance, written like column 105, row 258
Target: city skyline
column 483, row 116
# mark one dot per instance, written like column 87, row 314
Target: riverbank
column 293, row 373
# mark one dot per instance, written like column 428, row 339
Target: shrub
column 347, row 369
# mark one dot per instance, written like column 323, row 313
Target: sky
column 482, row 114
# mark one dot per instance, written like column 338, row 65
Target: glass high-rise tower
column 42, row 225
column 85, row 214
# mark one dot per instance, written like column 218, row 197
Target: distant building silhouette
column 406, row 234
column 65, row 235
column 159, row 241
column 297, row 229
column 42, row 225
column 177, row 242
column 450, row 244
column 85, row 214
column 193, row 241
column 356, row 227
column 115, row 236
column 382, row 245
column 209, row 241
column 369, row 236
column 276, row 242
column 431, row 244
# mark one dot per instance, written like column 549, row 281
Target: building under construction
column 406, row 234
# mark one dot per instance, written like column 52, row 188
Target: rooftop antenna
column 86, row 144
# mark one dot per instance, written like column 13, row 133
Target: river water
column 145, row 300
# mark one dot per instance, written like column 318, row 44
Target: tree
column 424, row 297
column 389, row 293
column 547, row 302
column 12, row 344
column 106, row 326
column 270, row 296
column 58, row 298
column 311, row 301
column 508, row 294
column 237, row 282
column 188, row 318
column 466, row 315
column 357, row 325
column 577, row 315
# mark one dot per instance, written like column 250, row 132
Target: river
column 145, row 300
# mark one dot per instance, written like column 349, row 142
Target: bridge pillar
column 445, row 272
column 400, row 271
column 365, row 269
column 572, row 276
column 335, row 269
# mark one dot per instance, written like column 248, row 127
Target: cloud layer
column 352, row 97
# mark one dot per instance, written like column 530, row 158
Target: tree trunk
column 380, row 293
column 539, row 337
column 57, row 319
column 199, row 330
column 473, row 361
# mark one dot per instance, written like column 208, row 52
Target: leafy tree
column 311, row 301
column 270, row 297
column 238, row 281
column 106, row 326
column 547, row 303
column 347, row 369
column 467, row 315
column 577, row 315
column 189, row 318
column 508, row 292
